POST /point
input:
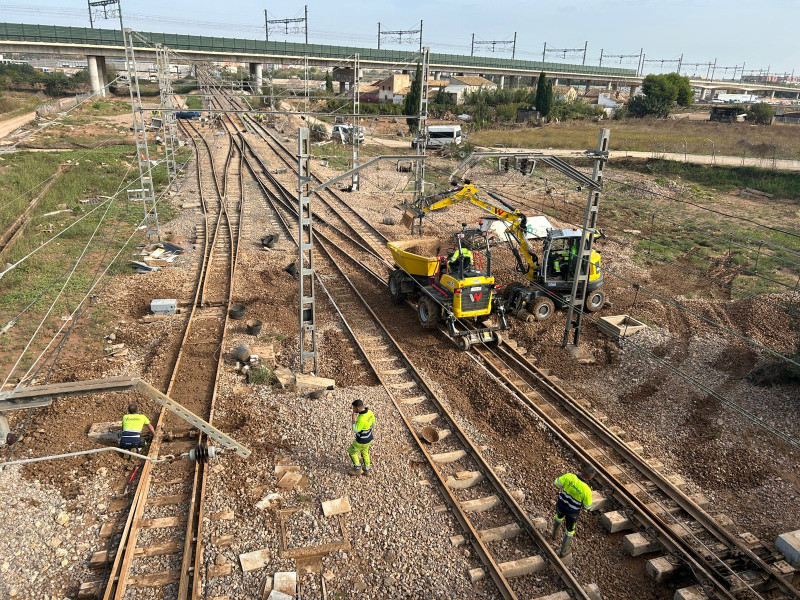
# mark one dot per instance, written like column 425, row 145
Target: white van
column 437, row 136
column 342, row 132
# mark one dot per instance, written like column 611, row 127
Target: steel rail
column 510, row 502
column 118, row 580
column 647, row 516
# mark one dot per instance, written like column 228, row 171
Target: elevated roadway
column 99, row 44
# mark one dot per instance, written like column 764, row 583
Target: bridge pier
column 97, row 75
column 256, row 78
column 502, row 83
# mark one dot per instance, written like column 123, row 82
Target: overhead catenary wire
column 719, row 397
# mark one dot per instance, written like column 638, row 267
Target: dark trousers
column 567, row 514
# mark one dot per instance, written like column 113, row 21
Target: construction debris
column 339, row 506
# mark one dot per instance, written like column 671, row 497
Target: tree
column 760, row 114
column 649, row 106
column 544, row 95
column 681, row 84
column 328, row 83
column 411, row 104
column 57, row 84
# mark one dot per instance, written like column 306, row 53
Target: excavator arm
column 527, row 262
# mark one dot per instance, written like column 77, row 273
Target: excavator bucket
column 408, row 218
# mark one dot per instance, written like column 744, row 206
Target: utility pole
column 399, row 33
column 580, row 283
column 640, row 68
column 713, row 70
column 585, row 46
column 145, row 193
column 168, row 120
column 305, row 250
column 544, row 51
column 287, row 22
column 354, row 133
column 422, row 123
column 601, row 57
column 494, row 43
column 100, row 9
column 680, row 62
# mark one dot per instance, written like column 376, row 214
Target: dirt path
column 11, row 125
column 698, row 159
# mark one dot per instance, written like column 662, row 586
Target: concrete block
column 660, row 568
column 615, row 521
column 285, row 582
column 789, row 544
column 448, row 457
column 523, row 566
column 593, row 591
column 251, row 561
column 617, row 431
column 475, row 575
column 481, row 504
column 336, row 507
column 556, row 596
column 637, row 544
column 693, row 592
column 678, row 481
column 425, row 419
column 458, row 540
column 504, row 532
column 620, row 325
column 276, row 595
column 636, row 447
column 464, row 479
column 599, row 501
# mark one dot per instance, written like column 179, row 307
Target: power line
column 287, row 22
column 494, row 43
column 397, row 35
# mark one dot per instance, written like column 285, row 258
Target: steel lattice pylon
column 422, row 123
column 145, row 193
column 168, row 119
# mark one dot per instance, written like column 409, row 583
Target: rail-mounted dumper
column 449, row 292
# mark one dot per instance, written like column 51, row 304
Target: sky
column 759, row 34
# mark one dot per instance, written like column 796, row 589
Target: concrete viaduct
column 99, row 44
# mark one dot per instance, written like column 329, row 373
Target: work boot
column 355, row 470
column 565, row 543
column 367, row 471
column 556, row 527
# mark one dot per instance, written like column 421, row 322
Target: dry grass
column 660, row 135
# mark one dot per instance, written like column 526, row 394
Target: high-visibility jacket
column 365, row 422
column 575, row 492
column 459, row 253
column 132, row 427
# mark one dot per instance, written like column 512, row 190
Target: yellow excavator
column 551, row 278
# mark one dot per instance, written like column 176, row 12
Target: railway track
column 691, row 544
column 640, row 497
column 489, row 513
column 157, row 546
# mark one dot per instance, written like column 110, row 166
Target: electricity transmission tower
column 504, row 44
column 397, row 36
column 287, row 22
column 565, row 51
column 104, row 9
column 168, row 120
column 145, row 193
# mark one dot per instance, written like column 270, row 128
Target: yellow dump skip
column 409, row 255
